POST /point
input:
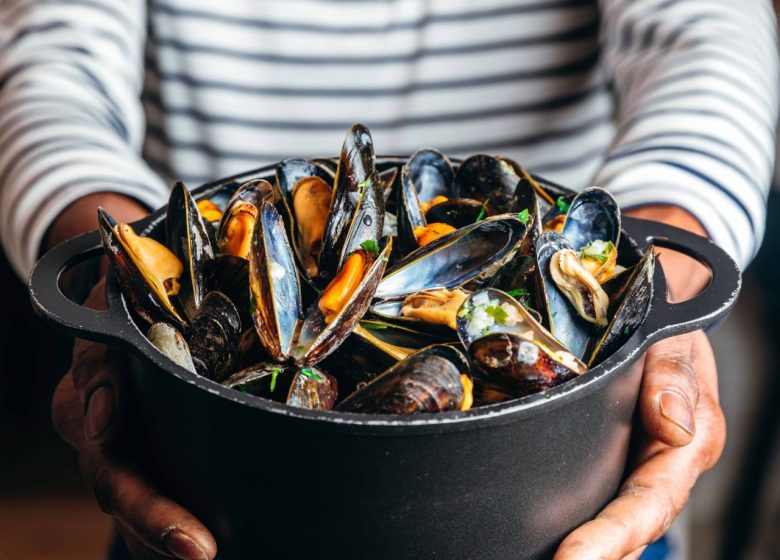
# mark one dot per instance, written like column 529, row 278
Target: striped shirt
column 660, row 101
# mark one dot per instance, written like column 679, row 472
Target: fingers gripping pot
column 503, row 481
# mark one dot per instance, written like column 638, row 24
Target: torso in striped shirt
column 232, row 85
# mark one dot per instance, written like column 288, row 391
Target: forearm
column 71, row 122
column 81, row 216
column 685, row 276
column 697, row 90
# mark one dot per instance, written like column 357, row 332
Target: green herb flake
column 364, row 183
column 519, row 292
column 481, row 215
column 274, row 374
column 370, row 246
column 597, row 251
column 562, row 205
column 373, row 325
column 384, row 258
column 252, row 306
column 308, row 373
column 524, row 216
column 626, row 331
column 498, row 313
column 555, row 314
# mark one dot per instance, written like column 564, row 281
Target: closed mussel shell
column 230, row 275
column 457, row 212
column 214, row 336
column 427, row 381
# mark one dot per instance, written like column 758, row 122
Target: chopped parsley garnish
column 274, row 374
column 308, row 373
column 464, row 313
column 562, row 205
column 522, row 295
column 373, row 325
column 524, row 216
column 252, row 306
column 597, row 251
column 522, row 292
column 498, row 313
column 481, row 215
column 370, row 246
column 384, row 258
column 626, row 331
column 364, row 183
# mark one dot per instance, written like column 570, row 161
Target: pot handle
column 54, row 306
column 713, row 303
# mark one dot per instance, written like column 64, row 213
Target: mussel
column 434, row 379
column 510, row 348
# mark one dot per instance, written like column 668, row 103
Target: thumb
column 670, row 391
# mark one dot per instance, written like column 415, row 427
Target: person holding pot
column 670, row 105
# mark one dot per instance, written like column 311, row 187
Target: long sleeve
column 697, row 88
column 71, row 122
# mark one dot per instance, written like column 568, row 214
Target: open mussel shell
column 305, row 188
column 457, row 212
column 431, row 173
column 375, row 346
column 628, row 310
column 558, row 313
column 594, row 215
column 214, row 336
column 355, row 175
column 187, row 235
column 391, row 311
column 170, row 342
column 454, row 259
column 142, row 283
column 269, row 380
column 426, row 174
column 316, row 338
column 275, row 302
column 238, row 221
column 367, row 224
column 313, row 388
column 510, row 347
column 486, row 178
column 427, row 381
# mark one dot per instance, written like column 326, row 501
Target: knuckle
column 666, row 506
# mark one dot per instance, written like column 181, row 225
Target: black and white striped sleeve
column 71, row 122
column 697, row 87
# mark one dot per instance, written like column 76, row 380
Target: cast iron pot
column 499, row 482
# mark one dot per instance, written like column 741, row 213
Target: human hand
column 88, row 411
column 685, row 435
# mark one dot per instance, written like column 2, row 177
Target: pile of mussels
column 430, row 288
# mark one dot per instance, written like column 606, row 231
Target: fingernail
column 182, row 546
column 676, row 408
column 100, row 409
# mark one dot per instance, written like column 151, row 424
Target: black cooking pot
column 502, row 481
